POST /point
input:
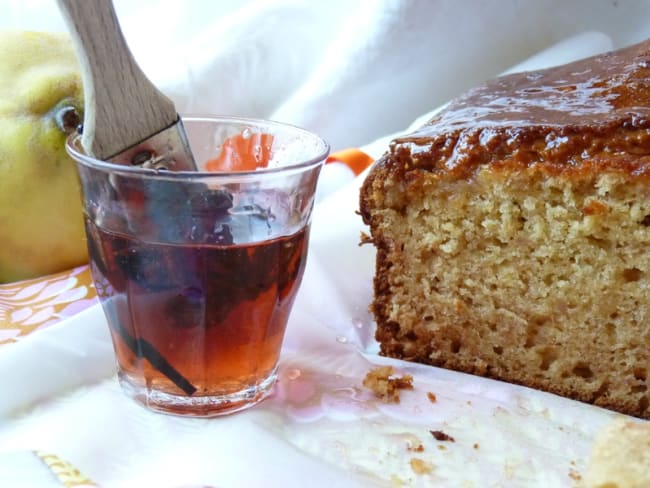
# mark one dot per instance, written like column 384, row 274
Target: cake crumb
column 476, row 446
column 385, row 385
column 441, row 436
column 413, row 443
column 595, row 207
column 574, row 475
column 432, row 397
column 441, row 447
column 365, row 238
column 415, row 448
column 420, row 466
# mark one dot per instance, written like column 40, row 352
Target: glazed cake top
column 595, row 110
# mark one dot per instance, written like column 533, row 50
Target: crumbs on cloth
column 441, row 436
column 386, row 385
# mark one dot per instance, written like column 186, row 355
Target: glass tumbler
column 197, row 271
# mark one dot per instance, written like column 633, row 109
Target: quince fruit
column 41, row 102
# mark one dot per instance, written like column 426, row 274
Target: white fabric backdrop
column 352, row 70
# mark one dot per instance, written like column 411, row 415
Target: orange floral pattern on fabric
column 30, row 305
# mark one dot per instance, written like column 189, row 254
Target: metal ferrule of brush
column 167, row 150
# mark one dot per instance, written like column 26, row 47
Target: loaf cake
column 512, row 233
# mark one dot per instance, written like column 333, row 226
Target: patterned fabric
column 30, row 305
column 65, row 473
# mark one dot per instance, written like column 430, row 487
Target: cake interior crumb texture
column 528, row 260
column 526, row 278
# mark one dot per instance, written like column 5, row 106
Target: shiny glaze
column 590, row 114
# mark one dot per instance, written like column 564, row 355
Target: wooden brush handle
column 122, row 107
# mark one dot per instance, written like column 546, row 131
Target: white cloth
column 347, row 70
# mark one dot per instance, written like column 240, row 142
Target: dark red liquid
column 196, row 320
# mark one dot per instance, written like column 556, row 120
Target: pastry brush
column 127, row 120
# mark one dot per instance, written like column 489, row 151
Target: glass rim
column 74, row 150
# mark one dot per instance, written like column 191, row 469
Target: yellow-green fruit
column 41, row 223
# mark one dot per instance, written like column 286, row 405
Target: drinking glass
column 197, row 271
